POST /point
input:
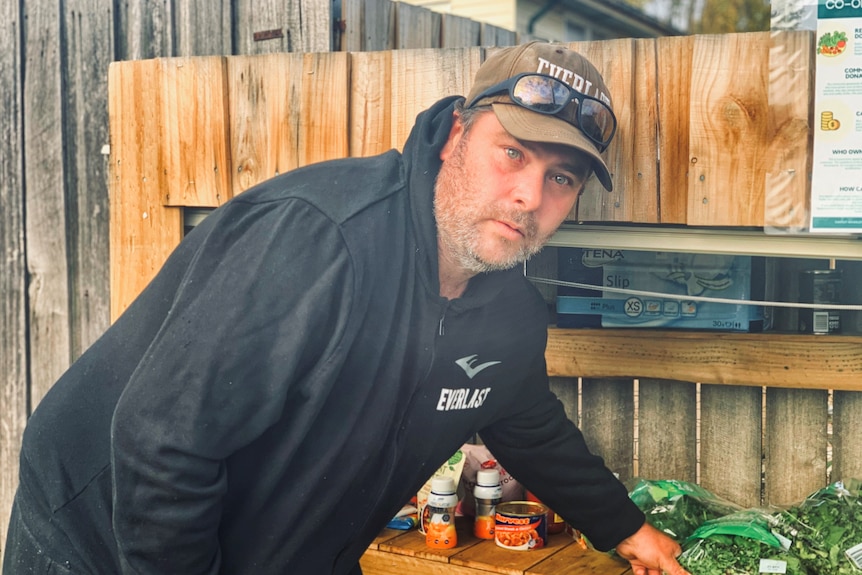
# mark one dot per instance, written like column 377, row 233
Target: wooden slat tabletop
column 399, row 552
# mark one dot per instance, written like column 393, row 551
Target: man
column 316, row 347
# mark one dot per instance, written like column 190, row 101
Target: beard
column 459, row 209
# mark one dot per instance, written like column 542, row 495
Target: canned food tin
column 521, row 525
column 820, row 287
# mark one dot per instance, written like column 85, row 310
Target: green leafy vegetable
column 735, row 555
column 738, row 544
column 678, row 507
column 822, row 529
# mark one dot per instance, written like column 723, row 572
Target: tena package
column 732, row 277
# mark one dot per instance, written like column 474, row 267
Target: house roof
column 617, row 15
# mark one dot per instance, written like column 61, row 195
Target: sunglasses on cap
column 547, row 95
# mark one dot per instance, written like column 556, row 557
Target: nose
column 527, row 189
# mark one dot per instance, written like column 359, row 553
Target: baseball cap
column 547, row 59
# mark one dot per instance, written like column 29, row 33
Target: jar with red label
column 556, row 524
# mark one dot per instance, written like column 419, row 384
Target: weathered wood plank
column 789, row 134
column 203, row 28
column 267, row 26
column 459, row 32
column 315, row 26
column 771, row 359
column 496, row 36
column 369, row 25
column 673, row 85
column 728, row 122
column 846, row 447
column 370, row 103
column 731, row 442
column 667, row 430
column 607, row 422
column 143, row 231
column 46, row 216
column 421, row 77
column 416, row 27
column 615, row 60
column 13, row 266
column 144, row 30
column 194, row 121
column 88, row 25
column 795, row 448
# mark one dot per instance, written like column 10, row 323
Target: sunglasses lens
column 541, row 93
column 596, row 120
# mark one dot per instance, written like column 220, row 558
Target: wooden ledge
column 758, row 359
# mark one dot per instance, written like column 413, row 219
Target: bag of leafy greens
column 826, row 529
column 678, row 507
column 741, row 543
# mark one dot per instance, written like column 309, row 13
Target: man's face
column 498, row 199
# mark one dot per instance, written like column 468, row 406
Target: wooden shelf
column 399, row 552
column 757, row 359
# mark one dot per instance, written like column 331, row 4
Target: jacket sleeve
column 547, row 453
column 255, row 314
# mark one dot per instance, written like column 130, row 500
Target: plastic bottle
column 439, row 514
column 488, row 493
column 556, row 524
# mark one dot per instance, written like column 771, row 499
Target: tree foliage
column 712, row 16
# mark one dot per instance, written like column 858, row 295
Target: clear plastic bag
column 678, row 507
column 826, row 529
column 740, row 543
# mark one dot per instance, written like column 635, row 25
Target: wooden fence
column 58, row 156
column 54, row 150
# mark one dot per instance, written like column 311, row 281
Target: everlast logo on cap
column 573, row 79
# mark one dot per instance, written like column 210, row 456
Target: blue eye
column 513, row 153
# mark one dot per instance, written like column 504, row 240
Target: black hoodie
column 290, row 378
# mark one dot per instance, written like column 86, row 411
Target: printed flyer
column 836, row 185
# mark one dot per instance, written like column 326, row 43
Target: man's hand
column 651, row 552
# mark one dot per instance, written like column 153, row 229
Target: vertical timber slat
column 322, row 122
column 731, row 442
column 846, row 447
column 615, row 60
column 263, row 138
column 673, row 85
column 416, row 27
column 607, row 422
column 643, row 187
column 728, row 130
column 370, row 103
column 88, row 26
column 795, row 444
column 143, row 231
column 195, row 132
column 45, row 200
column 667, row 405
column 203, row 28
column 13, row 271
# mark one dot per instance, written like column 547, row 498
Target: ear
column 455, row 135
